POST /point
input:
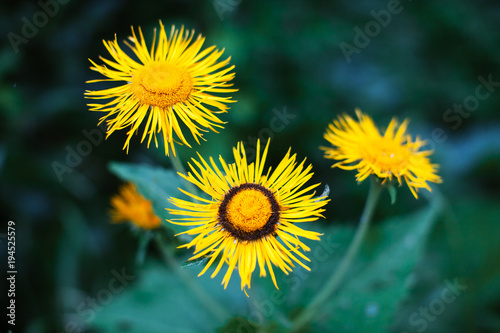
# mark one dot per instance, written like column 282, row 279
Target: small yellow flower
column 252, row 218
column 129, row 205
column 170, row 86
column 359, row 145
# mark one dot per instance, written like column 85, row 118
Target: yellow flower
column 129, row 205
column 171, row 85
column 359, row 145
column 252, row 218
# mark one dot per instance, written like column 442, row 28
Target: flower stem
column 177, row 164
column 143, row 247
column 209, row 302
column 337, row 277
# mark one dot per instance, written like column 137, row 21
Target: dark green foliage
column 430, row 63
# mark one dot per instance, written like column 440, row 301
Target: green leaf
column 369, row 299
column 378, row 280
column 392, row 192
column 196, row 262
column 466, row 224
column 154, row 183
column 159, row 300
column 239, row 323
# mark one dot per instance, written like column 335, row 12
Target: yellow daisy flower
column 129, row 205
column 252, row 218
column 359, row 145
column 171, row 85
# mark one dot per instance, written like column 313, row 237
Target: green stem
column 208, row 301
column 144, row 239
column 177, row 164
column 336, row 278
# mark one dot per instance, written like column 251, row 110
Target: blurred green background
column 426, row 62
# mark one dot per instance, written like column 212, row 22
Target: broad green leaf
column 270, row 306
column 469, row 224
column 161, row 300
column 370, row 294
column 369, row 298
column 154, row 183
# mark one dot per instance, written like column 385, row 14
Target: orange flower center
column 161, row 84
column 387, row 156
column 249, row 210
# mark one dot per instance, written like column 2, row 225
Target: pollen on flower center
column 389, row 156
column 249, row 212
column 161, row 84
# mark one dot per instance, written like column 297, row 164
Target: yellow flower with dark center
column 358, row 145
column 171, row 85
column 131, row 206
column 252, row 218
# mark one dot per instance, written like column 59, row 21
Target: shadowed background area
column 299, row 64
